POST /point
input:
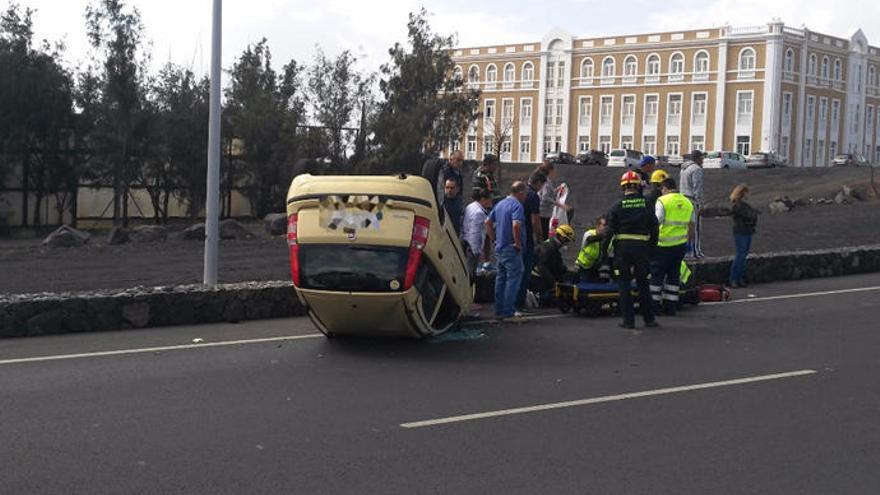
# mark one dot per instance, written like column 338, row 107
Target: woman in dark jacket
column 745, row 218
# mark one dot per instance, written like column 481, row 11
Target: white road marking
column 797, row 296
column 145, row 350
column 600, row 400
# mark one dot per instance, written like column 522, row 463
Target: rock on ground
column 276, row 223
column 194, row 233
column 118, row 235
column 66, row 236
column 231, row 229
column 149, row 234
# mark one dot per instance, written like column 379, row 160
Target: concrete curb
column 49, row 313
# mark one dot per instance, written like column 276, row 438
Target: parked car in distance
column 593, row 158
column 561, row 158
column 849, row 159
column 724, row 159
column 376, row 255
column 624, row 158
column 764, row 159
column 661, row 160
column 675, row 160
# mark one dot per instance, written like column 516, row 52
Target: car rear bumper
column 365, row 314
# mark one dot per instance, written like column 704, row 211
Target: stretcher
column 594, row 298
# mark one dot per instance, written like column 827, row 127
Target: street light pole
column 212, row 206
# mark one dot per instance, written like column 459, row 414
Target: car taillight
column 294, row 247
column 421, row 228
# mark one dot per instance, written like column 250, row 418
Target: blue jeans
column 528, row 257
column 507, row 280
column 743, row 244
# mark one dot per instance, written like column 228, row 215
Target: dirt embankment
column 25, row 266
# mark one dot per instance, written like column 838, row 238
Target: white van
column 724, row 159
column 624, row 158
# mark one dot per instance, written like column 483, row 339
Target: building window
column 652, row 106
column 789, row 60
column 628, row 114
column 626, row 142
column 676, row 67
column 832, row 149
column 630, row 69
column 474, row 77
column 587, row 72
column 811, row 110
column 605, row 144
column 525, row 111
column 673, row 146
column 835, row 114
column 560, row 74
column 585, row 111
column 649, row 145
column 747, row 63
column 698, row 109
column 606, row 111
column 551, row 75
column 744, row 108
column 525, row 148
column 583, row 144
column 823, row 112
column 673, row 110
column 653, row 73
column 783, row 147
column 837, row 70
column 698, row 143
column 824, row 72
column 557, row 144
column 786, row 109
column 491, row 74
column 812, row 67
column 471, row 149
column 608, row 70
column 872, row 76
column 528, row 75
column 506, row 149
column 744, row 145
column 548, row 144
column 509, row 75
column 821, row 160
column 559, row 103
column 457, row 74
column 488, row 145
column 506, row 112
column 489, row 112
column 548, row 111
column 701, row 66
column 808, row 152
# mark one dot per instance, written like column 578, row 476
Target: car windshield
column 344, row 268
column 714, row 154
column 618, row 153
column 841, row 157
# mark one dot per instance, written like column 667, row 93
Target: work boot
column 627, row 326
column 652, row 324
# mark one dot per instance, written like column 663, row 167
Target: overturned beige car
column 375, row 256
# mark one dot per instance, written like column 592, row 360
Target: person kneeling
column 549, row 266
column 592, row 266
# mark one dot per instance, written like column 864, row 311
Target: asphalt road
column 772, row 395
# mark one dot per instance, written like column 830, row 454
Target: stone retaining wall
column 49, row 313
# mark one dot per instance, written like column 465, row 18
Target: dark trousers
column 665, row 276
column 738, row 268
column 528, row 256
column 633, row 260
column 545, row 228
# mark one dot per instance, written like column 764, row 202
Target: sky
column 179, row 30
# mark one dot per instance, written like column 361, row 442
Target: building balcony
column 630, row 79
column 607, row 81
column 675, row 77
column 701, row 76
column 652, row 79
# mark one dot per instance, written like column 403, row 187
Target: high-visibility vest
column 684, row 273
column 678, row 211
column 589, row 255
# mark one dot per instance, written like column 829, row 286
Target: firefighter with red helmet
column 633, row 228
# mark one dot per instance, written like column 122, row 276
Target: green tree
column 336, row 91
column 264, row 109
column 36, row 111
column 120, row 132
column 424, row 109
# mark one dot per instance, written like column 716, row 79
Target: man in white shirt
column 473, row 229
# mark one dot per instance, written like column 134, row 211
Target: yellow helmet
column 659, row 176
column 565, row 233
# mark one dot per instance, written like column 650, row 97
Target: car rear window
column 618, row 153
column 345, row 268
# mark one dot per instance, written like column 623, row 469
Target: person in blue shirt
column 505, row 229
column 534, row 235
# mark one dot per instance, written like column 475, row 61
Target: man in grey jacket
column 691, row 185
